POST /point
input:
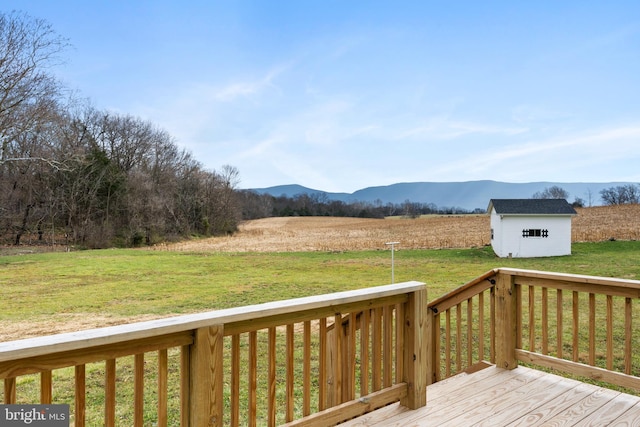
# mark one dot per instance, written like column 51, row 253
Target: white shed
column 523, row 228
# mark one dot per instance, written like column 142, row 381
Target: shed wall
column 508, row 236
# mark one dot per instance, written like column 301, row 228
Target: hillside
column 468, row 195
column 292, row 234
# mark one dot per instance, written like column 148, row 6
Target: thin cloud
column 579, row 156
column 251, row 87
column 445, row 128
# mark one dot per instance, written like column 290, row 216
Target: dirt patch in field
column 61, row 323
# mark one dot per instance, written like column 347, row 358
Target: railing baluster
column 576, row 326
column 628, row 338
column 609, row 332
column 9, row 390
column 80, row 395
column 387, row 346
column 253, row 378
column 447, row 344
column 350, row 380
column 545, row 321
column 364, row 352
column 377, row 349
column 163, row 385
column 532, row 319
column 110, row 393
column 322, row 365
column 492, row 324
column 185, row 384
column 519, row 321
column 458, row 337
column 306, row 369
column 271, row 377
column 235, row 380
column 559, row 323
column 289, row 406
column 437, row 364
column 337, row 360
column 470, row 332
column 46, row 387
column 138, row 390
column 592, row 329
column 400, row 341
column 481, row 326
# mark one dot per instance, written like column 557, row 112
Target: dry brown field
column 295, row 234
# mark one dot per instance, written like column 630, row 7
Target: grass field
column 277, row 258
column 268, row 260
column 55, row 292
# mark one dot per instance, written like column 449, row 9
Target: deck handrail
column 209, row 347
column 389, row 345
column 508, row 319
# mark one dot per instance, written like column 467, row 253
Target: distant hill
column 466, row 195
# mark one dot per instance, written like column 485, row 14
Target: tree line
column 256, row 206
column 621, row 195
column 75, row 175
column 617, row 195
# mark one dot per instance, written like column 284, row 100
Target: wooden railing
column 579, row 325
column 462, row 324
column 266, row 364
column 325, row 359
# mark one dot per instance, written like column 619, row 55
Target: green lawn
column 137, row 282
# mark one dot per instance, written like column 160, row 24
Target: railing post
column 417, row 350
column 505, row 321
column 206, row 377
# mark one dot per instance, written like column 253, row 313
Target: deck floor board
column 521, row 397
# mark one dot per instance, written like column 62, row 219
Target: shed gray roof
column 531, row 207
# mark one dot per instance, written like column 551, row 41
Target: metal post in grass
column 392, row 244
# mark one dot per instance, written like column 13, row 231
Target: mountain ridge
column 467, row 195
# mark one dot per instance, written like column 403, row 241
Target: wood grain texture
column 517, row 397
column 206, row 377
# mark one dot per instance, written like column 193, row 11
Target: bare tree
column 589, row 194
column 553, row 192
column 621, row 195
column 28, row 101
column 101, row 178
column 28, row 49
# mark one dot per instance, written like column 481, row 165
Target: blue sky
column 342, row 95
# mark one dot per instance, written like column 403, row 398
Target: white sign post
column 392, row 244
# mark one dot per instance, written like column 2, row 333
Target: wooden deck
column 520, row 397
